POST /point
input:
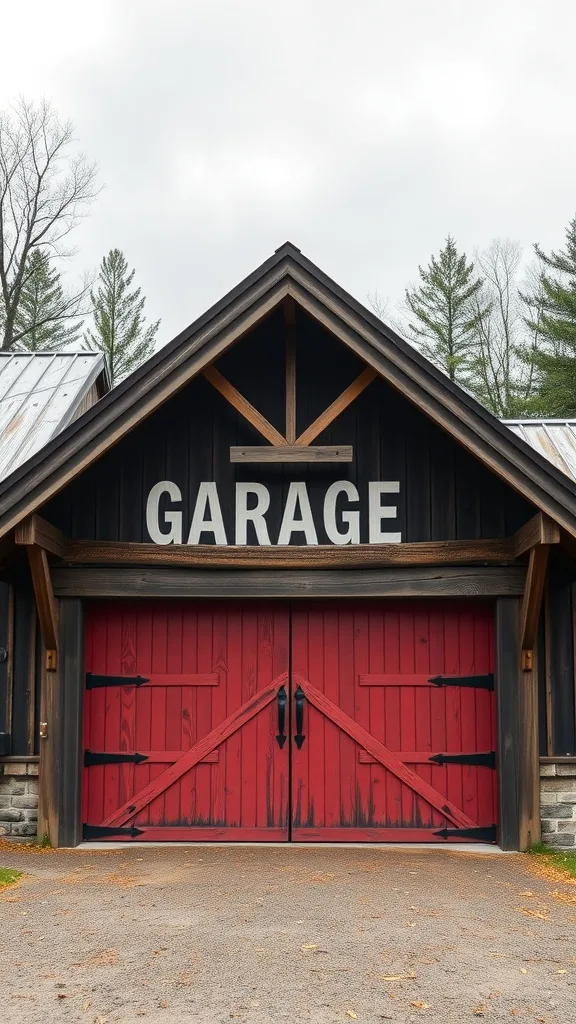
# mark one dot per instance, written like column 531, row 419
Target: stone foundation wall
column 558, row 804
column 18, row 798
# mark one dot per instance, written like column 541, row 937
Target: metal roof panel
column 39, row 394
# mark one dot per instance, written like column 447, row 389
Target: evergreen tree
column 552, row 311
column 446, row 311
column 46, row 319
column 120, row 330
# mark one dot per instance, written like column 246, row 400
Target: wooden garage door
column 367, row 722
column 181, row 722
column 399, row 725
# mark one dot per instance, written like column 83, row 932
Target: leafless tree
column 45, row 191
column 502, row 372
column 381, row 307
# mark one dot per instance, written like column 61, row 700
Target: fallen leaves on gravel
column 398, row 977
column 350, row 1013
column 309, row 945
column 564, row 897
column 420, row 1004
column 542, row 914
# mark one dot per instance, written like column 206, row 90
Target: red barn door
column 182, row 713
column 388, row 753
column 366, row 722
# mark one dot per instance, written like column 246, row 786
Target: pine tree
column 552, row 311
column 445, row 311
column 120, row 330
column 46, row 319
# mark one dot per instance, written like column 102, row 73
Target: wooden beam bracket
column 531, row 604
column 541, row 529
column 45, row 603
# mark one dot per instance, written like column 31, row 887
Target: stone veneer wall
column 18, row 798
column 558, row 803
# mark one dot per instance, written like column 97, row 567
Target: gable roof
column 287, row 272
column 40, row 394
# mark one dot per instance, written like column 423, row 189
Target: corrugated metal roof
column 39, row 395
column 554, row 439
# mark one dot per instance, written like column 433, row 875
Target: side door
column 395, row 727
column 182, row 711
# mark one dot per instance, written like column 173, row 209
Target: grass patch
column 8, row 876
column 563, row 860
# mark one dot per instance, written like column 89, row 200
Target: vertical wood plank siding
column 560, row 664
column 71, row 672
column 444, row 492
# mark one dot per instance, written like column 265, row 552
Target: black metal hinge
column 105, row 832
column 482, row 835
column 481, row 682
column 92, row 681
column 487, row 760
column 94, row 757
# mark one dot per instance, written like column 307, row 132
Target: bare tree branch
column 45, row 191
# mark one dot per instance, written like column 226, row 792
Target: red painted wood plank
column 366, row 834
column 416, row 757
column 204, row 834
column 394, row 678
column 127, row 704
column 218, row 735
column 385, row 756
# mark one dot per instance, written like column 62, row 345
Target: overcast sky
column 363, row 132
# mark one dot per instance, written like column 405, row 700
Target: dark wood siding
column 444, row 492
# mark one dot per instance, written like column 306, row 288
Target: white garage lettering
column 338, row 515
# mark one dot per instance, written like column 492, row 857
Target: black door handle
column 299, row 701
column 281, row 701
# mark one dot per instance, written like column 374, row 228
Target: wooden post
column 518, row 761
column 49, row 768
column 290, row 322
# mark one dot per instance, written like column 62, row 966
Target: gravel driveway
column 262, row 934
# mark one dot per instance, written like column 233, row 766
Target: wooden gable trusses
column 288, row 447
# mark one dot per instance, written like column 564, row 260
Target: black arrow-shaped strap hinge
column 486, row 834
column 108, row 832
column 487, row 760
column 480, row 682
column 92, row 757
column 92, row 681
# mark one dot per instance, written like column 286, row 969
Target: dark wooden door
column 389, row 754
column 187, row 751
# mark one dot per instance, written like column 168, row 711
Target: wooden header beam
column 292, row 453
column 368, row 556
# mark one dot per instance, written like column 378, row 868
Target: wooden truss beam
column 342, row 402
column 290, row 322
column 243, row 406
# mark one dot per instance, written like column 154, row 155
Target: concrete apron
column 448, row 847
